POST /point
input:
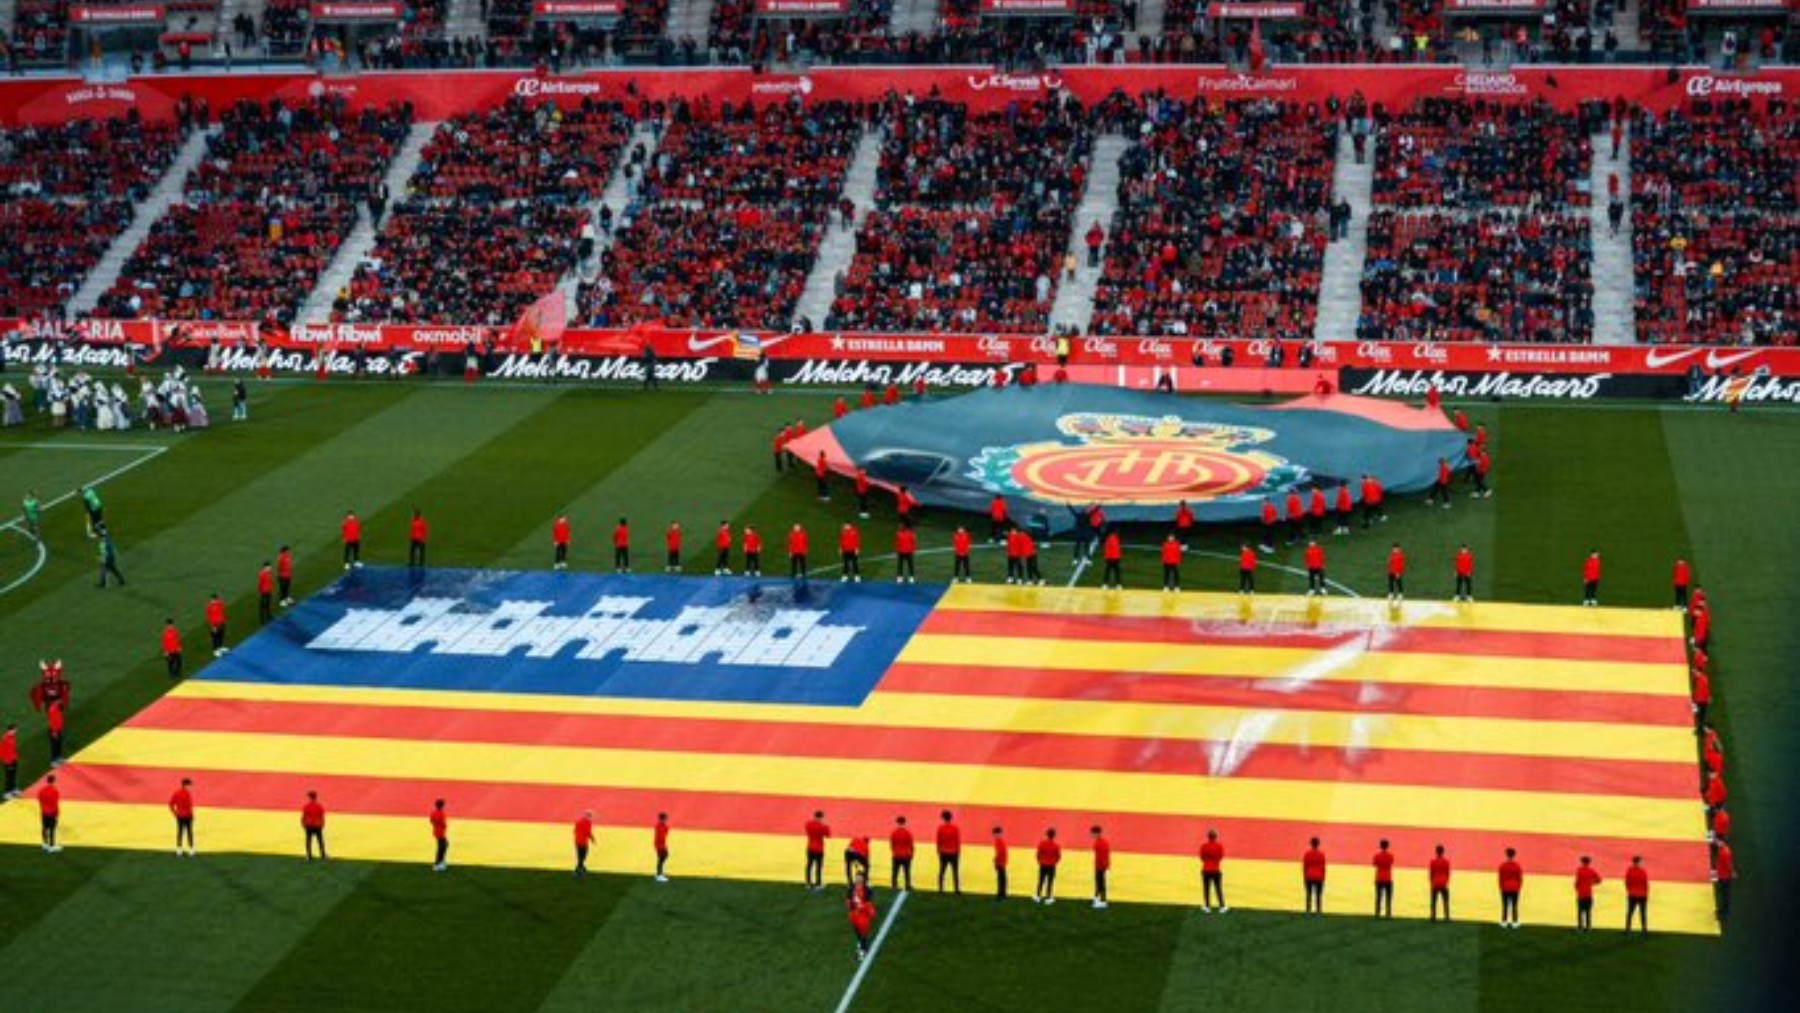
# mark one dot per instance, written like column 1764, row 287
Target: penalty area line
column 862, row 969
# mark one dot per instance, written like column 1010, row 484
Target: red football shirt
column 1512, row 876
column 1586, row 878
column 949, row 839
column 1384, row 866
column 182, row 803
column 1313, row 865
column 1212, row 854
column 1049, row 853
column 816, row 832
column 900, row 842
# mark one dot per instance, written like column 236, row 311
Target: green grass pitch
column 492, row 466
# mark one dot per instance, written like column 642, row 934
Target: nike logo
column 1716, row 361
column 1656, row 358
column 698, row 344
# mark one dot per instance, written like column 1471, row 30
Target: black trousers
column 1015, row 568
column 1509, row 905
column 724, row 560
column 673, row 561
column 621, row 559
column 1384, row 900
column 961, row 569
column 1639, row 906
column 285, row 585
column 999, row 882
column 1590, row 590
column 1268, row 535
column 443, row 850
column 110, row 567
column 173, row 660
column 218, row 636
column 56, row 746
column 562, row 554
column 1315, row 580
column 1171, row 577
column 49, row 831
column 352, row 552
column 184, row 830
column 1046, row 884
column 1465, row 586
column 854, row 862
column 1212, row 884
column 415, row 554
column 1110, row 573
column 1440, row 492
column 12, row 778
column 1315, row 897
column 902, row 870
column 903, row 565
column 797, row 565
column 265, row 608
column 315, row 834
column 753, row 562
column 1246, row 580
column 852, row 564
column 1396, row 585
column 1681, row 594
column 1100, row 885
column 815, row 868
column 951, row 865
column 1722, row 898
column 1031, row 569
column 662, row 858
column 1368, row 513
column 997, row 531
column 1437, row 892
column 824, row 489
column 1584, row 914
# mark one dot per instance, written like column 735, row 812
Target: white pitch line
column 862, row 969
column 151, row 453
column 99, row 448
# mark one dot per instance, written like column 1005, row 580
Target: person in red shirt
column 55, row 720
column 1440, row 883
column 584, row 839
column 796, row 545
column 1015, row 558
column 171, row 648
column 181, row 806
column 1000, row 860
column 1702, row 696
column 906, row 506
column 1702, row 634
column 416, row 535
column 1296, row 516
column 817, row 830
column 840, row 407
column 1637, row 894
column 1184, row 521
column 1586, row 878
column 997, row 517
column 1512, row 881
column 1270, row 518
column 961, row 543
column 859, row 901
column 1171, row 563
column 1712, row 750
column 1312, row 876
column 1724, row 873
column 722, row 542
column 1317, row 507
column 312, row 821
column 1246, row 569
column 850, row 553
column 867, row 400
column 1028, row 553
column 9, row 761
column 856, row 859
column 351, row 533
column 906, row 544
column 1315, row 569
column 215, row 623
column 1482, row 464
column 1715, row 791
column 50, row 812
column 1590, row 579
column 1720, row 830
column 1102, row 864
column 659, row 842
column 559, row 543
column 1440, row 490
column 862, row 492
column 949, row 850
column 1372, row 494
column 1049, row 855
column 1212, row 874
column 440, row 833
column 1344, row 508
column 1465, row 574
column 752, row 552
column 1384, row 881
column 900, row 847
column 265, row 594
column 1396, row 573
column 672, row 546
column 621, row 539
column 1433, row 398
column 284, row 575
column 782, row 436
column 821, row 473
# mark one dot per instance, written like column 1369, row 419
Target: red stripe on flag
column 556, row 806
column 1274, row 694
column 1215, row 633
column 923, row 745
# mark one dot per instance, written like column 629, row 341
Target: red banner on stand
column 127, row 14
column 356, row 10
column 1255, row 11
column 803, row 8
column 553, row 9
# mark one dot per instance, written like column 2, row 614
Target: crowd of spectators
column 731, row 212
column 263, row 213
column 1480, row 229
column 493, row 216
column 515, row 33
column 66, row 192
column 1716, row 222
column 1222, row 222
column 972, row 218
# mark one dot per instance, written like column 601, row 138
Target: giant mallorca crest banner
column 1053, row 451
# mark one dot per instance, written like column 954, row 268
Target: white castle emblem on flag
column 736, row 634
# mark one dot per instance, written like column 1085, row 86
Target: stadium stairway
column 1074, row 305
column 1615, row 305
column 838, row 248
column 168, row 190
column 1340, row 284
column 464, row 20
column 620, row 193
column 689, row 19
column 350, row 255
column 914, row 17
column 1151, row 16
column 9, row 16
column 229, row 9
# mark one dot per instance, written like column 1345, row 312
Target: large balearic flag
column 738, row 707
column 543, row 322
